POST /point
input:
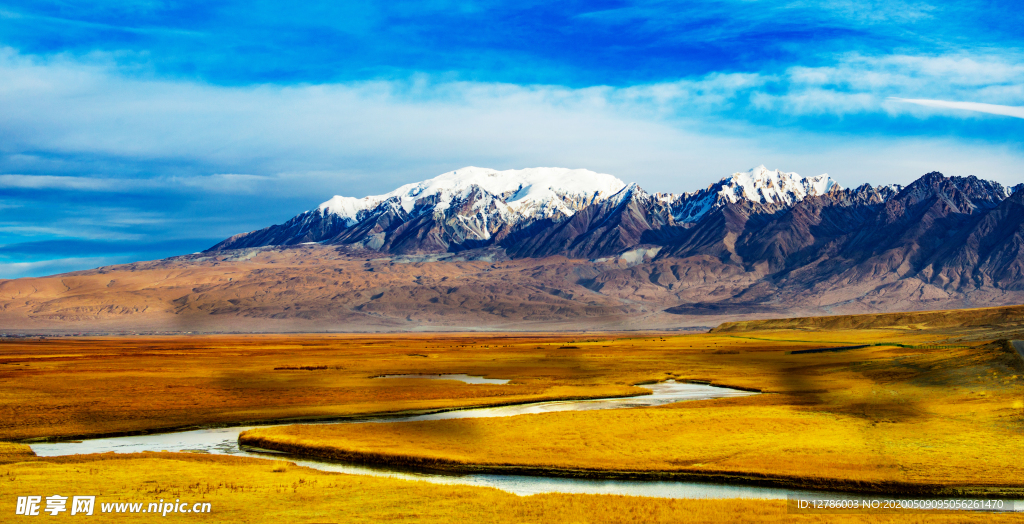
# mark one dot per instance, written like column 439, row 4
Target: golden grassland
column 881, row 418
column 990, row 320
column 915, row 415
column 72, row 387
column 94, row 386
column 257, row 491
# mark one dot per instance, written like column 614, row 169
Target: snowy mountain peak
column 528, row 210
column 543, row 191
column 759, row 185
column 766, row 186
column 633, row 192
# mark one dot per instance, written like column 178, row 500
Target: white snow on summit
column 540, row 191
column 774, row 187
column 757, row 185
column 543, row 192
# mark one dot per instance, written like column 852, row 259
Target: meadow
column 71, row 387
column 930, row 410
column 78, row 387
column 256, row 491
column 936, row 419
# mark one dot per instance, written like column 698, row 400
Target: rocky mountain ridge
column 468, row 257
column 789, row 234
column 475, row 207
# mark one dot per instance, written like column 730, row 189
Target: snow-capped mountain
column 514, row 195
column 773, row 187
column 468, row 207
column 582, row 214
column 759, row 185
column 474, row 207
column 577, row 246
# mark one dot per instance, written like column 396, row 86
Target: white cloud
column 70, row 183
column 862, row 84
column 223, row 183
column 992, row 109
column 313, row 141
column 368, row 137
column 61, row 265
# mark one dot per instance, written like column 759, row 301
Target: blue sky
column 138, row 130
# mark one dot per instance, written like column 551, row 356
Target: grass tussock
column 12, row 452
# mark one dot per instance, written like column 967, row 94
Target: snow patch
column 633, row 257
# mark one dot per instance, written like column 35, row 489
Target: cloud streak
column 50, row 267
column 977, row 107
column 226, row 183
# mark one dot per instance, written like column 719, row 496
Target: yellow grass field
column 243, row 490
column 940, row 409
column 75, row 387
column 911, row 420
column 65, row 387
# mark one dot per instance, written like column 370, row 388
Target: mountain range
column 953, row 233
column 474, row 207
column 573, row 249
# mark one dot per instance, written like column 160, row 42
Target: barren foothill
column 314, row 288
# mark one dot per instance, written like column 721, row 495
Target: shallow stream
column 225, row 441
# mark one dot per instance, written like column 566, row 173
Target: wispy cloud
column 46, row 249
column 50, row 267
column 71, row 183
column 225, row 183
column 48, row 257
column 857, row 84
column 977, row 107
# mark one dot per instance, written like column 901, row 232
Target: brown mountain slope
column 316, row 288
column 324, row 288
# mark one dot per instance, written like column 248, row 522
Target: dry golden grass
column 79, row 387
column 11, row 452
column 93, row 386
column 877, row 414
column 1005, row 317
column 878, row 418
column 256, row 491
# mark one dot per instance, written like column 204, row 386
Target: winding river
column 225, row 441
